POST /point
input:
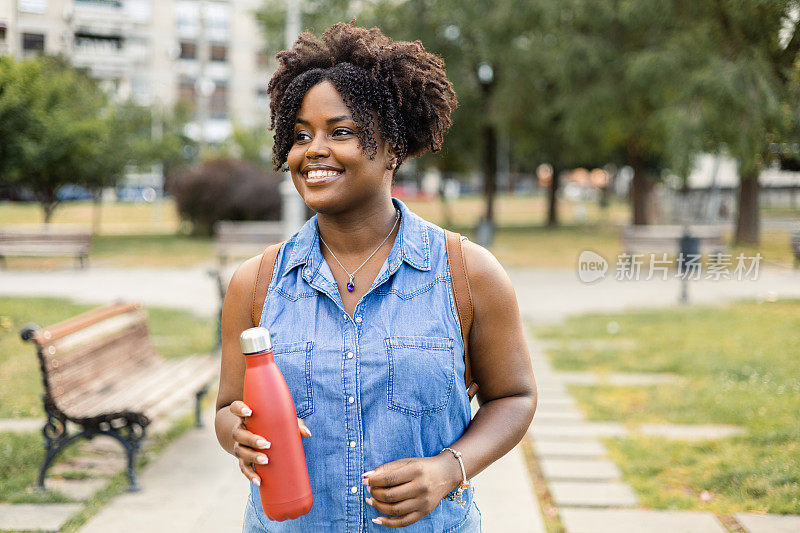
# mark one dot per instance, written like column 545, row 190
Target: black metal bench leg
column 130, row 436
column 197, row 410
column 56, row 439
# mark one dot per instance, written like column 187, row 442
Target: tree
column 745, row 86
column 58, row 129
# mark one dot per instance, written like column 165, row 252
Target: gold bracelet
column 464, row 483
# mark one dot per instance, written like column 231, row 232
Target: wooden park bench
column 667, row 239
column 100, row 372
column 243, row 240
column 45, row 242
column 796, row 247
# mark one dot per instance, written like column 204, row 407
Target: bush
column 225, row 189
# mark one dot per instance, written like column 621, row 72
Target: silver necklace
column 350, row 285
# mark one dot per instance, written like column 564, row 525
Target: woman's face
column 329, row 168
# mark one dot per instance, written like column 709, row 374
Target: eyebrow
column 329, row 121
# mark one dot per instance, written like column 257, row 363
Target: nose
column 317, row 148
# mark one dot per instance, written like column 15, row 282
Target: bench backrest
column 45, row 236
column 667, row 237
column 245, row 238
column 90, row 352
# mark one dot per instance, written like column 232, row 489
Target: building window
column 188, row 50
column 219, row 100
column 186, row 90
column 97, row 43
column 33, row 42
column 219, row 52
column 2, row 32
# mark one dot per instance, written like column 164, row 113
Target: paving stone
column 691, row 431
column 638, row 520
column 21, row 425
column 569, row 448
column 567, row 416
column 76, row 489
column 589, row 344
column 769, row 523
column 43, row 517
column 579, row 469
column 616, row 378
column 98, row 465
column 592, row 494
column 556, row 402
column 576, row 431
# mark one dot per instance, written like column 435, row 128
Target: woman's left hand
column 406, row 490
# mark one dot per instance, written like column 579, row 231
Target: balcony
column 99, row 16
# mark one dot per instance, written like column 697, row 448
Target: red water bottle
column 285, row 488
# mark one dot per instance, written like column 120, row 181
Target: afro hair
column 399, row 83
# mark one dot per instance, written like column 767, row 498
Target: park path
column 505, row 495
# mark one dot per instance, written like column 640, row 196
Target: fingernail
column 261, row 443
column 367, row 473
column 369, row 501
column 369, row 490
column 257, row 482
column 247, row 411
column 307, row 430
column 365, row 481
column 377, row 521
column 262, row 459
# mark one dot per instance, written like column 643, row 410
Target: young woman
column 360, row 307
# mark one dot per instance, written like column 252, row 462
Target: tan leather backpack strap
column 459, row 281
column 263, row 279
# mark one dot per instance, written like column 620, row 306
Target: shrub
column 225, row 189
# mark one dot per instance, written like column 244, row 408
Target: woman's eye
column 342, row 131
column 301, row 136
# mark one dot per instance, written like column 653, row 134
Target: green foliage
column 57, row 128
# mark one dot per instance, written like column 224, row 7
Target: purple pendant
column 350, row 287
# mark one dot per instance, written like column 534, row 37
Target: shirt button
column 352, row 444
column 358, row 319
column 349, row 355
column 351, row 399
column 344, row 316
column 353, row 489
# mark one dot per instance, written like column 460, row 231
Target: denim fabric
column 400, row 394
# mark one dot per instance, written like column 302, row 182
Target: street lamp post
column 486, row 227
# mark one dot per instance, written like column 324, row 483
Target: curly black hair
column 398, row 82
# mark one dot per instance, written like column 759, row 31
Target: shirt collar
column 411, row 244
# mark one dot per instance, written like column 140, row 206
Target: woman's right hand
column 249, row 447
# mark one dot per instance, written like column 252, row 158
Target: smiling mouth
column 322, row 176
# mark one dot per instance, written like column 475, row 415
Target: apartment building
column 156, row 51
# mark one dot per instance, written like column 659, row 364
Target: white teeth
column 315, row 174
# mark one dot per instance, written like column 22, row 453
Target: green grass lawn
column 174, row 334
column 741, row 364
column 145, row 235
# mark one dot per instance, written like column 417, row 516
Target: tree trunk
column 641, row 187
column 490, row 170
column 552, row 212
column 97, row 201
column 747, row 220
column 48, row 208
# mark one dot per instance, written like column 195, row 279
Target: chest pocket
column 294, row 361
column 421, row 374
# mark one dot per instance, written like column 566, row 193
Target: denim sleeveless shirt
column 386, row 384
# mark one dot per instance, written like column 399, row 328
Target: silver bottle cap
column 255, row 340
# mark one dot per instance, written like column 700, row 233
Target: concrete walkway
column 204, row 491
column 544, row 295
